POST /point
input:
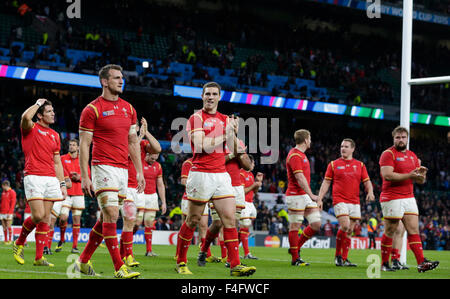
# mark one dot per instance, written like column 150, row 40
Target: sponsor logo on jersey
column 108, row 113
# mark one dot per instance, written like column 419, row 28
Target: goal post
column 406, row 82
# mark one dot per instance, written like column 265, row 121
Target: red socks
column 50, row 238
column 223, row 249
column 184, row 240
column 386, row 247
column 340, row 237
column 230, row 237
column 243, row 237
column 346, row 247
column 206, row 242
column 76, row 233
column 41, row 238
column 395, row 254
column 415, row 243
column 110, row 236
column 148, row 238
column 10, row 234
column 95, row 239
column 27, row 227
column 293, row 244
column 126, row 244
column 307, row 234
column 62, row 229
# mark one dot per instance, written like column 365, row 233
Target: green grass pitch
column 273, row 263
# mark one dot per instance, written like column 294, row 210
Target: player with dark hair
column 43, row 176
column 8, row 202
column 154, row 188
column 400, row 169
column 208, row 179
column 109, row 123
column 75, row 197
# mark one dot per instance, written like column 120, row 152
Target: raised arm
column 154, row 147
column 26, row 122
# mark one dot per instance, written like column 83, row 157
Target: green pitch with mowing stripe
column 273, row 263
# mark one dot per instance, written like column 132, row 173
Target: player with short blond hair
column 346, row 174
column 300, row 200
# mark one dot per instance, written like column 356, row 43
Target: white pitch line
column 29, row 271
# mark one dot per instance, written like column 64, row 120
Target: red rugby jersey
column 185, row 168
column 73, row 165
column 151, row 174
column 39, row 145
column 213, row 125
column 248, row 179
column 132, row 173
column 110, row 123
column 403, row 162
column 8, row 201
column 296, row 161
column 346, row 176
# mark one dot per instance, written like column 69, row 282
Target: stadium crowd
column 308, row 57
column 354, row 70
column 433, row 198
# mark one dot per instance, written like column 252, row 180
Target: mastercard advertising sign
column 272, row 241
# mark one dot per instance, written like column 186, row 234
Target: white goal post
column 406, row 82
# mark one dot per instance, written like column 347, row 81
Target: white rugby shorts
column 106, row 178
column 347, row 209
column 204, row 186
column 397, row 208
column 185, row 204
column 151, row 202
column 249, row 212
column 298, row 203
column 45, row 188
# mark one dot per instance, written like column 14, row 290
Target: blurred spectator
column 328, row 229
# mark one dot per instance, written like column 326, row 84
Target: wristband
column 231, row 156
column 37, row 103
column 62, row 184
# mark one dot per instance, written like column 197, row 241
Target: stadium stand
column 249, row 54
